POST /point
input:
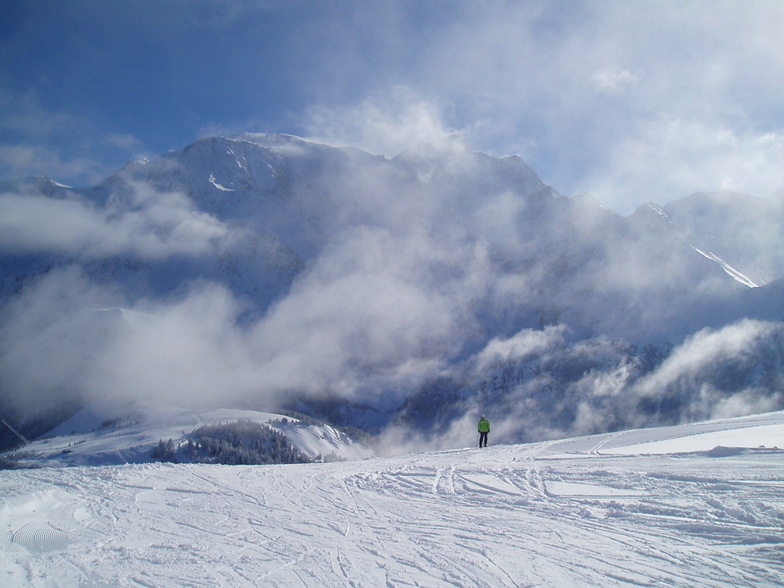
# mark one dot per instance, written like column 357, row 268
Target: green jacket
column 484, row 425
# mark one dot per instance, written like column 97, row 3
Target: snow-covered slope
column 98, row 436
column 696, row 505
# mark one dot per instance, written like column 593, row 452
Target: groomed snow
column 658, row 507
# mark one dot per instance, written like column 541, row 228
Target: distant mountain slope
column 98, row 437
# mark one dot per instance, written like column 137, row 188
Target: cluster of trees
column 242, row 443
column 165, row 451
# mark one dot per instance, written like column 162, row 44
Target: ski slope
column 696, row 505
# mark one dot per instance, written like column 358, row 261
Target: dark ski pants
column 482, row 439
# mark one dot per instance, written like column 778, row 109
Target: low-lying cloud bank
column 541, row 384
column 148, row 224
column 67, row 339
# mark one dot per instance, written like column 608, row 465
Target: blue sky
column 631, row 101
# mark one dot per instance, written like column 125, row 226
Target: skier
column 484, row 429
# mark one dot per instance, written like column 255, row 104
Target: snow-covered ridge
column 731, row 271
column 99, row 437
column 655, row 507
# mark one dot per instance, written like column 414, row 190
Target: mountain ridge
column 321, row 272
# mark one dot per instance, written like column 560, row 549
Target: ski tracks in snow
column 503, row 516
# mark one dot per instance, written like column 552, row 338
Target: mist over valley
column 402, row 296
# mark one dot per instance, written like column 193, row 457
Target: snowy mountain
column 403, row 296
column 694, row 505
column 102, row 435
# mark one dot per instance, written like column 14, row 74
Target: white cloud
column 746, row 402
column 704, row 349
column 384, row 125
column 671, row 157
column 151, row 225
column 49, row 340
column 40, row 160
column 98, row 345
column 629, row 101
column 368, row 311
column 524, row 343
column 187, row 351
column 613, row 80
